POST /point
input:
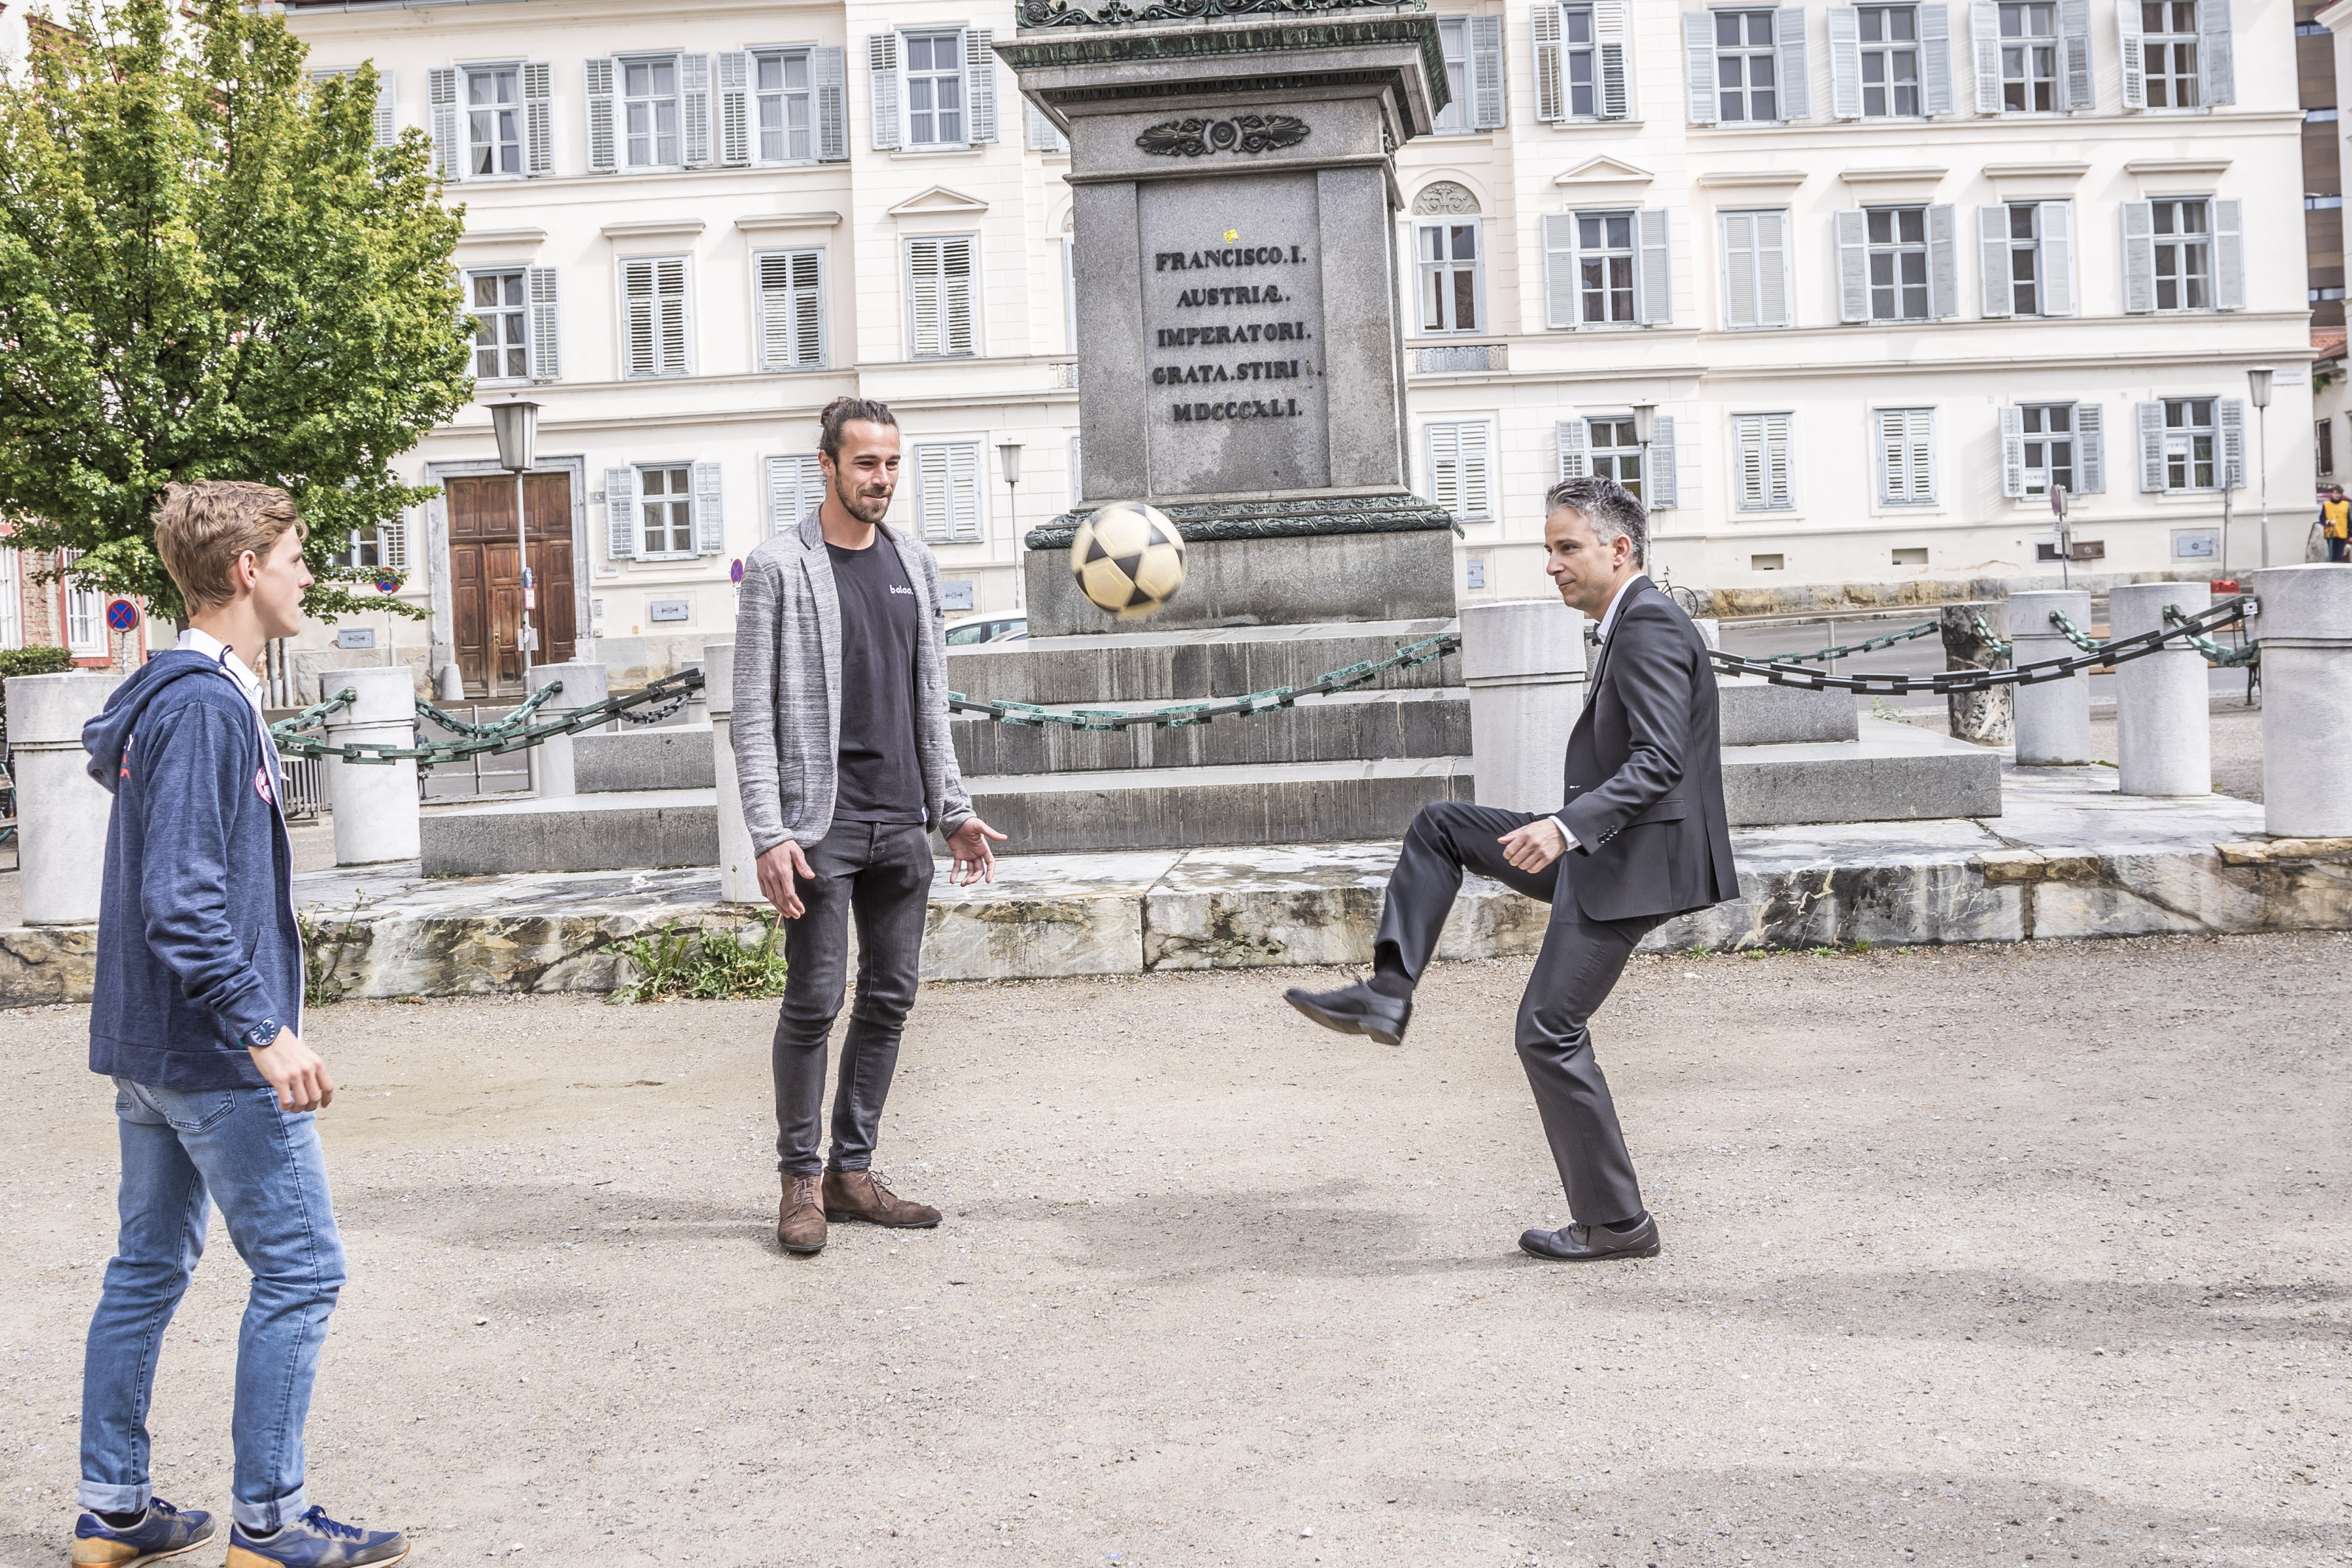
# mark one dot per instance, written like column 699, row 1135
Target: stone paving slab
column 2068, row 857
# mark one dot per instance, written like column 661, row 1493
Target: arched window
column 1449, row 271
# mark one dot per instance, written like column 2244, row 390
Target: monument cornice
column 1039, row 14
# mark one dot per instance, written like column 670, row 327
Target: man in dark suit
column 1641, row 837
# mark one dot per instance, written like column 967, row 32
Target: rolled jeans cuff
column 268, row 1515
column 99, row 1498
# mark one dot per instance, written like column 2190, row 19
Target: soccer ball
column 1128, row 559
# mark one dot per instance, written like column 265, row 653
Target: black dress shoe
column 1590, row 1243
column 1355, row 1009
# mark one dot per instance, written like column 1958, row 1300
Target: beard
column 866, row 503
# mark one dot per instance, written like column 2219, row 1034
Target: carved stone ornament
column 1445, row 198
column 1110, row 13
column 1239, row 133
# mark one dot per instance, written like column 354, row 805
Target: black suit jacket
column 1644, row 771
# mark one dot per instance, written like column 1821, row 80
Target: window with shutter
column 830, row 67
column 882, row 90
column 795, row 489
column 783, row 112
column 1657, row 268
column 791, row 309
column 940, row 296
column 1613, row 453
column 1906, row 456
column 2040, row 449
column 621, row 514
column 654, row 334
column 1569, row 438
column 1796, row 73
column 2218, row 68
column 2090, row 450
column 499, row 299
column 546, row 334
column 1559, row 269
column 1763, row 465
column 387, row 111
column 979, row 83
column 735, row 67
column 494, row 121
column 694, row 108
column 652, row 133
column 603, row 142
column 539, row 118
column 1611, row 36
column 1664, row 466
column 1447, row 261
column 947, row 492
column 1454, row 47
column 1935, row 60
column 1460, row 468
column 1698, row 67
column 710, row 514
column 2074, row 56
column 1754, row 269
column 1486, row 112
column 935, row 88
column 441, row 104
column 665, row 510
column 2170, row 75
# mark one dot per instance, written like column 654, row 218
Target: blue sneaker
column 162, row 1532
column 314, row 1541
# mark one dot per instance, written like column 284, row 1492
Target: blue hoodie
column 197, row 947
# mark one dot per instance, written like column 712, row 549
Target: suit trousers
column 1580, row 963
column 879, row 873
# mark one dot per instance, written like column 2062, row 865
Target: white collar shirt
column 220, row 653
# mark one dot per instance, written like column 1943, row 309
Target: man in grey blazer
column 845, row 764
column 1641, row 837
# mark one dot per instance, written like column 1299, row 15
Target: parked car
column 973, row 630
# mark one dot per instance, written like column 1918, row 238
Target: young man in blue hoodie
column 197, row 1018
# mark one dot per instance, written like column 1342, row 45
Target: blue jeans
column 183, row 1150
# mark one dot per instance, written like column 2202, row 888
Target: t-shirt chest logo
column 896, row 589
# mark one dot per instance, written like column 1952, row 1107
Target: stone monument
column 1241, row 360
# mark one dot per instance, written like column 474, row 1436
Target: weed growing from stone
column 707, row 963
column 323, row 946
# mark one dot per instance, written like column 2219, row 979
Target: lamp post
column 1008, row 453
column 1645, row 428
column 515, row 425
column 2258, row 387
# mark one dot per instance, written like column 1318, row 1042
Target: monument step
column 1137, row 669
column 1892, row 772
column 1346, row 726
column 617, row 760
column 1172, row 808
column 621, row 831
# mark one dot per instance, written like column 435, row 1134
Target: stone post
column 698, row 705
column 1523, row 661
column 375, row 804
column 2054, row 717
column 2305, row 632
column 738, row 875
column 1979, row 716
column 61, row 811
column 583, row 687
column 2164, row 723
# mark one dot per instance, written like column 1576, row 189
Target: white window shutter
column 1552, row 99
column 387, row 111
column 539, row 118
column 621, row 514
column 2151, row 447
column 1891, row 466
column 2090, row 450
column 1740, row 308
column 2012, row 451
column 1571, row 437
column 2057, row 259
column 1984, row 33
column 709, row 511
column 392, row 540
column 2074, row 56
column 922, row 297
column 829, row 80
column 1779, row 464
column 956, row 324
column 1446, row 468
column 441, row 94
column 1992, row 261
column 694, row 108
column 671, row 275
column 1936, row 59
column 546, row 335
column 1477, row 471
column 1919, row 436
column 1661, row 481
column 735, row 108
column 965, row 468
column 1698, row 67
column 1487, row 107
column 1747, row 456
column 882, row 89
column 795, row 489
column 1042, row 134
column 791, row 309
column 1845, row 62
column 2139, row 257
column 979, row 81
column 2229, row 256
column 1559, row 269
column 2230, row 415
column 1611, row 33
column 2128, row 44
column 1796, row 73
column 1853, row 264
column 2216, row 54
column 1943, row 263
column 1656, row 272
column 602, row 147
column 1772, row 269
column 640, row 332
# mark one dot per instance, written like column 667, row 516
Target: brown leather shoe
column 856, row 1195
column 800, row 1217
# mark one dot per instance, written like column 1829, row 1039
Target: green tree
column 208, row 269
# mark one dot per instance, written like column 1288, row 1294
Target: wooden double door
column 486, row 584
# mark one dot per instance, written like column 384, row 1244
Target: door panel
column 486, row 589
column 467, row 606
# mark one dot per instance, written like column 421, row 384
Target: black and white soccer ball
column 1128, row 559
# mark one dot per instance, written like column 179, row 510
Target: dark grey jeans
column 1580, row 963
column 881, row 874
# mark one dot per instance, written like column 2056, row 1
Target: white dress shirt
column 1600, row 634
column 220, row 653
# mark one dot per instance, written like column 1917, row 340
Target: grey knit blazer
column 787, row 723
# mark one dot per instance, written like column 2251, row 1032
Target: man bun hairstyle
column 841, row 411
column 1609, row 508
column 202, row 529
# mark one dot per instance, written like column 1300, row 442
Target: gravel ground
column 1984, row 1255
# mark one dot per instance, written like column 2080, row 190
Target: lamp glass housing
column 1009, row 454
column 516, row 426
column 2258, row 384
column 1645, row 423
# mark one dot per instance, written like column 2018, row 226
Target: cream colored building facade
column 1883, row 273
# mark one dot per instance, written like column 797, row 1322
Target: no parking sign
column 123, row 616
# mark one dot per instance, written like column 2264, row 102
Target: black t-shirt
column 881, row 778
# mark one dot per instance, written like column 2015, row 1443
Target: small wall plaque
column 355, row 636
column 673, row 610
column 2196, row 544
column 955, row 593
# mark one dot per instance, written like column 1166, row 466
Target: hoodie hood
column 107, row 737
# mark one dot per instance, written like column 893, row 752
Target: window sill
column 795, row 369
column 939, row 152
column 1587, row 122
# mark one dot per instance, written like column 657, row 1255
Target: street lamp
column 2258, row 387
column 515, row 425
column 1008, row 453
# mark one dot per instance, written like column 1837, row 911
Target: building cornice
column 1752, row 179
column 2035, row 170
column 503, row 237
column 1893, row 174
column 764, row 223
column 644, row 228
column 2177, row 167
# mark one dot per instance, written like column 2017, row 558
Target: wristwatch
column 261, row 1036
